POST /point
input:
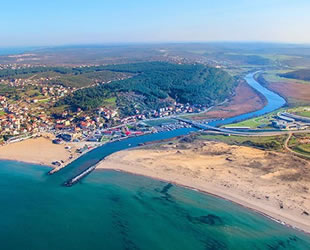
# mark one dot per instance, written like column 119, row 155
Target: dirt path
column 291, row 150
column 286, row 143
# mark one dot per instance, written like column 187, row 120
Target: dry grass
column 245, row 100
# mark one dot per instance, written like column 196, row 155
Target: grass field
column 257, row 121
column 253, row 123
column 158, row 122
column 273, row 76
column 302, row 111
column 300, row 144
column 110, row 102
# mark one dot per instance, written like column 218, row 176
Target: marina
column 82, row 164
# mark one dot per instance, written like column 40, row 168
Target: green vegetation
column 156, row 84
column 261, row 142
column 242, row 59
column 110, row 102
column 76, row 81
column 270, row 76
column 69, row 77
column 301, row 74
column 257, row 122
column 254, row 123
column 302, row 111
column 300, row 143
column 7, row 90
column 158, row 122
column 251, row 123
column 57, row 110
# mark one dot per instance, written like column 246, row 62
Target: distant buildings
column 289, row 121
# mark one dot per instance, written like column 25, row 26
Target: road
column 240, row 133
column 291, row 150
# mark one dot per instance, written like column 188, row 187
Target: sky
column 66, row 22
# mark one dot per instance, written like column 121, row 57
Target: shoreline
column 270, row 183
column 222, row 195
column 28, row 162
column 247, row 205
column 192, row 183
column 42, row 151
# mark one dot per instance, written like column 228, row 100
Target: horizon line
column 156, row 43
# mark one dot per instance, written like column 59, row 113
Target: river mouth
column 68, row 175
column 114, row 210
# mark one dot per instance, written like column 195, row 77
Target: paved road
column 241, row 133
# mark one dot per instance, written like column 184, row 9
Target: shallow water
column 113, row 210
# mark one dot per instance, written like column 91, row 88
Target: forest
column 155, row 84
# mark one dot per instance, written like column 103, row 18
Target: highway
column 240, row 133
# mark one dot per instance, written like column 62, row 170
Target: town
column 27, row 110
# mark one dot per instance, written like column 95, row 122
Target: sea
column 115, row 210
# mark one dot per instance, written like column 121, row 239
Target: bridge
column 241, row 133
column 211, row 128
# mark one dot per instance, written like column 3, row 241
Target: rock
column 229, row 159
column 281, row 205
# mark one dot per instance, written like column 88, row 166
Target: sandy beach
column 38, row 151
column 274, row 184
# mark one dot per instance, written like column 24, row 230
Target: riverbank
column 274, row 184
column 245, row 100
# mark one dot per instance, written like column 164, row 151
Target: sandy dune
column 275, row 184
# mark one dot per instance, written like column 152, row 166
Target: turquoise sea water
column 112, row 210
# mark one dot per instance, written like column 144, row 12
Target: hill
column 154, row 85
column 77, row 77
column 301, row 74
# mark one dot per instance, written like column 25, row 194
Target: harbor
column 76, row 169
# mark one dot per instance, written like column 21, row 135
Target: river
column 274, row 102
column 113, row 210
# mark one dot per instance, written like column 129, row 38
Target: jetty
column 77, row 178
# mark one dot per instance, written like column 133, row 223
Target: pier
column 77, row 178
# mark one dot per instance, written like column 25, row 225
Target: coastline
column 219, row 194
column 241, row 194
column 41, row 151
column 114, row 162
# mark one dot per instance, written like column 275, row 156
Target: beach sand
column 38, row 151
column 275, row 184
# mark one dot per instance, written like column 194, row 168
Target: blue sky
column 60, row 22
